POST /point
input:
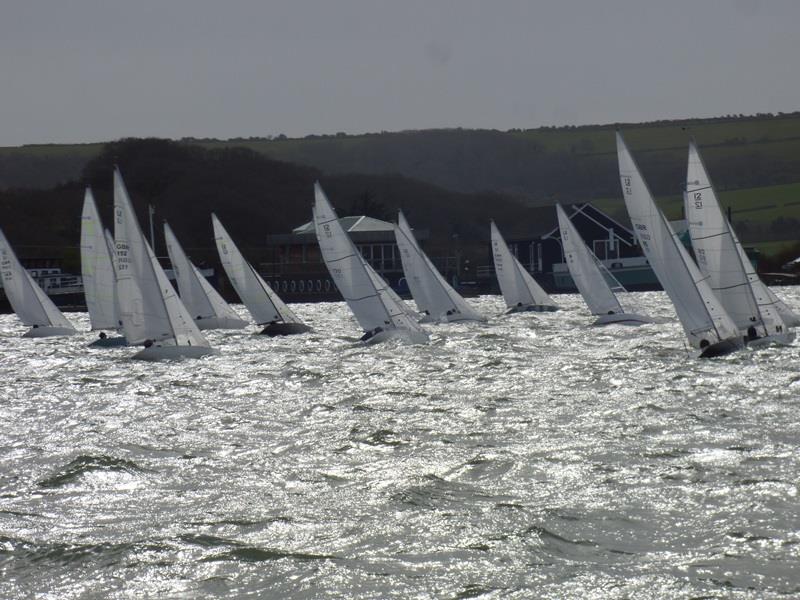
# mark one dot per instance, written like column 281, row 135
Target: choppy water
column 533, row 457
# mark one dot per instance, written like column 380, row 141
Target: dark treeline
column 252, row 194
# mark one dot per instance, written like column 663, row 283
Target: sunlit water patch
column 533, row 456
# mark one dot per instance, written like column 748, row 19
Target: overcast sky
column 79, row 70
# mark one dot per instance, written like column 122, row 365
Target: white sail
column 787, row 314
column 373, row 307
column 97, row 269
column 209, row 309
column 703, row 318
column 722, row 259
column 33, row 307
column 150, row 309
column 582, row 265
column 259, row 298
column 520, row 290
column 432, row 294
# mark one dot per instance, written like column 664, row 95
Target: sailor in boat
column 371, row 333
column 103, row 335
column 148, row 343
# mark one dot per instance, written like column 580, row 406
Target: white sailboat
column 722, row 259
column 209, row 309
column 367, row 295
column 707, row 325
column 150, row 310
column 99, row 276
column 434, row 297
column 33, row 307
column 590, row 279
column 519, row 288
column 263, row 303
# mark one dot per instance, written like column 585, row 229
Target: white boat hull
column 220, row 323
column 154, row 353
column 48, row 331
column 631, row 319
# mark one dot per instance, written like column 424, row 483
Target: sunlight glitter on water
column 531, row 456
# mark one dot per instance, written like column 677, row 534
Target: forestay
column 722, row 259
column 149, row 307
column 585, row 272
column 259, row 298
column 518, row 287
column 33, row 307
column 432, row 294
column 365, row 292
column 201, row 300
column 97, row 268
column 704, row 320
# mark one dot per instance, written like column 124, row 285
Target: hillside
column 252, row 194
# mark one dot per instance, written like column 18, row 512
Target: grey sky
column 79, row 70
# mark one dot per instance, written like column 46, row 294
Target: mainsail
column 432, row 294
column 263, row 303
column 33, row 307
column 97, row 269
column 209, row 309
column 520, row 290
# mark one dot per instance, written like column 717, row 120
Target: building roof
column 351, row 225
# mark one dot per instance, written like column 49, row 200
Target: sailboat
column 434, row 297
column 519, row 288
column 33, row 307
column 707, row 325
column 209, row 309
column 262, row 302
column 591, row 281
column 367, row 295
column 99, row 276
column 150, row 310
column 723, row 261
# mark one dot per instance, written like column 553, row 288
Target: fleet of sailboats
column 99, row 275
column 718, row 297
column 707, row 325
column 519, row 288
column 592, row 279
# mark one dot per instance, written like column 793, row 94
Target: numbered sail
column 703, row 318
column 367, row 295
column 97, row 269
column 259, row 298
column 520, row 290
column 432, row 294
column 582, row 265
column 33, row 307
column 205, row 305
column 722, row 259
column 150, row 309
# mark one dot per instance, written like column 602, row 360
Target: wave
column 85, row 464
